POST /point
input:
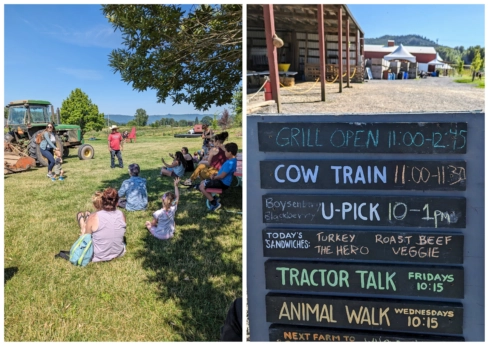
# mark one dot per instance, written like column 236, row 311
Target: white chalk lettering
column 362, row 175
column 347, row 207
column 293, row 174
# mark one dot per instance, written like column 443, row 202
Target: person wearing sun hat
column 115, row 141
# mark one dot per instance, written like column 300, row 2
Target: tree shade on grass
column 176, row 290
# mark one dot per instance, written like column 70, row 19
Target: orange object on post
column 268, row 91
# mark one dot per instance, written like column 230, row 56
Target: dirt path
column 431, row 94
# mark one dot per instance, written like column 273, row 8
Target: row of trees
column 180, row 123
column 467, row 56
column 79, row 109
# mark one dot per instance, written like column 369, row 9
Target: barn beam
column 272, row 54
column 340, row 49
column 347, row 52
column 322, row 67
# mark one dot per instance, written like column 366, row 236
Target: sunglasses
column 50, row 127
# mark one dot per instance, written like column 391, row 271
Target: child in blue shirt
column 134, row 189
column 223, row 178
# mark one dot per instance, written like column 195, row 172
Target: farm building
column 297, row 26
column 423, row 55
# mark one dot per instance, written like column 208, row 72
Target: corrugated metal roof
column 410, row 49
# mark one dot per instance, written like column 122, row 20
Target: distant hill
column 124, row 119
column 449, row 54
column 406, row 40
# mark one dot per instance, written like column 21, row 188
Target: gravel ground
column 431, row 94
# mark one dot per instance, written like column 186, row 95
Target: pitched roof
column 388, row 50
column 436, row 61
column 400, row 53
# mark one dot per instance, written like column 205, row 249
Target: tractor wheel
column 66, row 151
column 35, row 149
column 86, row 152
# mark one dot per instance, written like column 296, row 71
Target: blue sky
column 452, row 25
column 52, row 49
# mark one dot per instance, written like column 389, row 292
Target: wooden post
column 340, row 47
column 358, row 49
column 348, row 52
column 294, row 51
column 322, row 55
column 272, row 54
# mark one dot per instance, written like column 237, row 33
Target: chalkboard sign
column 385, row 279
column 279, row 332
column 372, row 227
column 363, row 174
column 359, row 137
column 425, row 247
column 419, row 211
column 369, row 314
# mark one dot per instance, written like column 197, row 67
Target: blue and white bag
column 81, row 252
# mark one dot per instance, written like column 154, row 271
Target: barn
column 423, row 55
column 297, row 26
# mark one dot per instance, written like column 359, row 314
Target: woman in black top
column 189, row 159
column 207, row 136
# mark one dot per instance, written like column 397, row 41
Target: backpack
column 39, row 137
column 81, row 252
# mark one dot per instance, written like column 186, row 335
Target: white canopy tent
column 437, row 61
column 400, row 54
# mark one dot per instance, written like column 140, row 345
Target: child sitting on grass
column 176, row 168
column 163, row 224
column 57, row 170
column 223, row 178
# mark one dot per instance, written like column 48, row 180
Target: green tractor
column 28, row 117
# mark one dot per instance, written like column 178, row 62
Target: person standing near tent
column 115, row 146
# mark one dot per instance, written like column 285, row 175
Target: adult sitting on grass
column 176, row 168
column 213, row 163
column 107, row 227
column 223, row 179
column 135, row 191
column 189, row 159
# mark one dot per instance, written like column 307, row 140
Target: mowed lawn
column 175, row 290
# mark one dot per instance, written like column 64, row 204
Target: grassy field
column 467, row 79
column 176, row 290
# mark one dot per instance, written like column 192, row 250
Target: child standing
column 57, row 170
column 163, row 224
column 223, row 178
